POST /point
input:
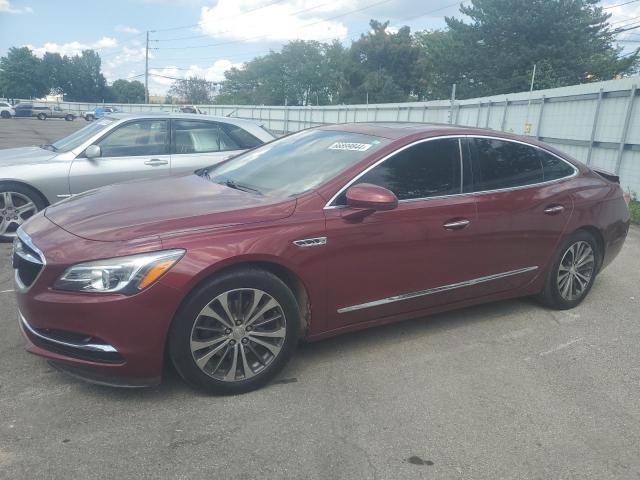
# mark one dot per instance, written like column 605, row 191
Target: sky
column 205, row 38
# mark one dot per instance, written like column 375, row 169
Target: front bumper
column 105, row 338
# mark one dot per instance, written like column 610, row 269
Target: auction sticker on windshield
column 355, row 147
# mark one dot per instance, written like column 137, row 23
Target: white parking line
column 561, row 347
column 6, row 291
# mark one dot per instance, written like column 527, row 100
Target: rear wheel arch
column 599, row 237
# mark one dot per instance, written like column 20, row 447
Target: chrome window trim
column 92, row 347
column 431, row 291
column 329, row 206
column 21, row 287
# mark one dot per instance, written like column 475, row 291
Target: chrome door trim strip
column 93, row 347
column 431, row 291
column 329, row 206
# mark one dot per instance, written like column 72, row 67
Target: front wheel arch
column 42, row 198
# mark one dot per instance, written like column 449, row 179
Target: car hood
column 161, row 207
column 20, row 156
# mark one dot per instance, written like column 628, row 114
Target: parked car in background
column 322, row 232
column 6, row 110
column 192, row 109
column 98, row 112
column 116, row 148
column 42, row 113
column 23, row 109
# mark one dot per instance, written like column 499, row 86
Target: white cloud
column 6, row 7
column 233, row 19
column 126, row 29
column 212, row 73
column 74, row 48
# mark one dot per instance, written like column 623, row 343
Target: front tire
column 18, row 203
column 235, row 332
column 42, row 116
column 89, row 118
column 69, row 118
column 573, row 272
column 5, row 114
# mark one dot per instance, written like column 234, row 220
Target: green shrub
column 634, row 208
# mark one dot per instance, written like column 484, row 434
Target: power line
column 266, row 35
column 620, row 4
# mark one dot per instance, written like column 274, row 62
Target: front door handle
column 156, row 162
column 457, row 224
column 554, row 209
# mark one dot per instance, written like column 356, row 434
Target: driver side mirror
column 366, row 198
column 93, row 151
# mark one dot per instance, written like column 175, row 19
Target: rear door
column 202, row 143
column 134, row 150
column 523, row 208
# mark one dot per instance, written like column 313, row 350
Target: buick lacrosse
column 325, row 231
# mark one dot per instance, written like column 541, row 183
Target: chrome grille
column 28, row 261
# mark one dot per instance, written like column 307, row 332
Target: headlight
column 126, row 275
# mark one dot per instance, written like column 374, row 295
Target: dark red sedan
column 322, row 232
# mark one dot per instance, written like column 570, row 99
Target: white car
column 91, row 115
column 6, row 110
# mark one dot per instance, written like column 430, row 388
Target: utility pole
column 146, row 71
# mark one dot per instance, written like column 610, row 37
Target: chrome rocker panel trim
column 431, row 291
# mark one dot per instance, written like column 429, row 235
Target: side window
column 428, row 169
column 146, row 137
column 195, row 136
column 243, row 138
column 501, row 164
column 553, row 168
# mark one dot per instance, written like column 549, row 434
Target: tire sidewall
column 182, row 325
column 551, row 290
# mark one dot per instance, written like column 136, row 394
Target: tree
column 382, row 66
column 21, row 75
column 86, row 82
column 123, row 91
column 193, row 90
column 570, row 41
column 55, row 71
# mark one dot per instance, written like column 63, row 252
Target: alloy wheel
column 15, row 209
column 576, row 270
column 238, row 334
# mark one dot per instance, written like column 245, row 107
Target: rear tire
column 88, row 118
column 69, row 118
column 235, row 332
column 42, row 116
column 573, row 272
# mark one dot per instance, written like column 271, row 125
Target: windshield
column 78, row 138
column 296, row 163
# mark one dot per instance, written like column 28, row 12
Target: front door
column 134, row 150
column 414, row 257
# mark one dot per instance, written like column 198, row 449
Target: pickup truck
column 42, row 113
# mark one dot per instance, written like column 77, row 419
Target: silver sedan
column 116, row 148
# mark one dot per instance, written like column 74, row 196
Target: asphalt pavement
column 508, row 390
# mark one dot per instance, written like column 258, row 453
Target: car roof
column 399, row 130
column 186, row 116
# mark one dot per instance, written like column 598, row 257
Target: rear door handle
column 456, row 224
column 156, row 162
column 554, row 209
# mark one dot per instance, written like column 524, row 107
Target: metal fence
column 599, row 123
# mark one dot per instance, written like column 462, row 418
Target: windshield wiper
column 49, row 146
column 239, row 186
